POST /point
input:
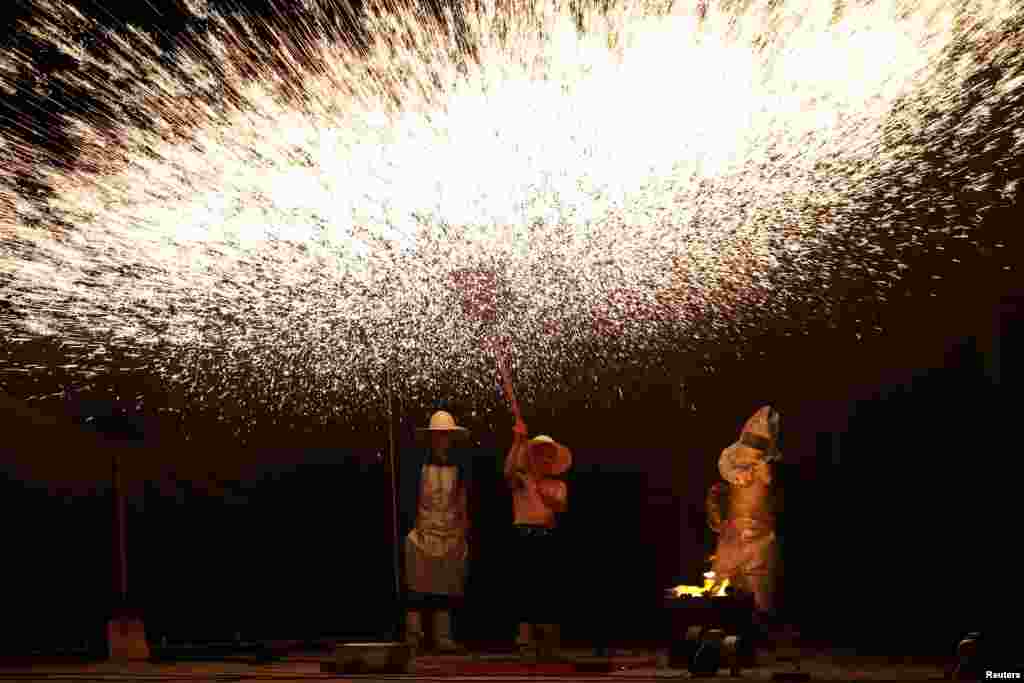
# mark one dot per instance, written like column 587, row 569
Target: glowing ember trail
column 281, row 218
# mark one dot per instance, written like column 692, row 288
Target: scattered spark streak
column 281, row 220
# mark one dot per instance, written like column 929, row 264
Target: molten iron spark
column 280, row 220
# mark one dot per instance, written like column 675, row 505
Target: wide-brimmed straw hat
column 563, row 456
column 758, row 443
column 442, row 421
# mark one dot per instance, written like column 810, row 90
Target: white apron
column 436, row 549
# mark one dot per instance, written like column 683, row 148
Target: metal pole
column 119, row 521
column 393, row 461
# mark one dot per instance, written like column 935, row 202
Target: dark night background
column 898, row 532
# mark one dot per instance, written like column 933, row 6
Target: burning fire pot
column 708, row 624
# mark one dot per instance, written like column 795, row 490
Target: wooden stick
column 507, row 384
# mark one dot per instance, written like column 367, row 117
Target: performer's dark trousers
column 536, row 574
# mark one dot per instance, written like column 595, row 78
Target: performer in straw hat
column 532, row 468
column 436, row 547
column 741, row 511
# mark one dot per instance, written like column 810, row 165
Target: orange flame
column 711, row 587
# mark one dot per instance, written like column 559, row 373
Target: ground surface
column 631, row 666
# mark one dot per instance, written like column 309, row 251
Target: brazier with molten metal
column 692, row 617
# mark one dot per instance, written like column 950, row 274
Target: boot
column 550, row 644
column 443, row 633
column 414, row 630
column 527, row 645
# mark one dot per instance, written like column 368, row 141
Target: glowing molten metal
column 710, row 587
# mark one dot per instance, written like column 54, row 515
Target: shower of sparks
column 278, row 221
